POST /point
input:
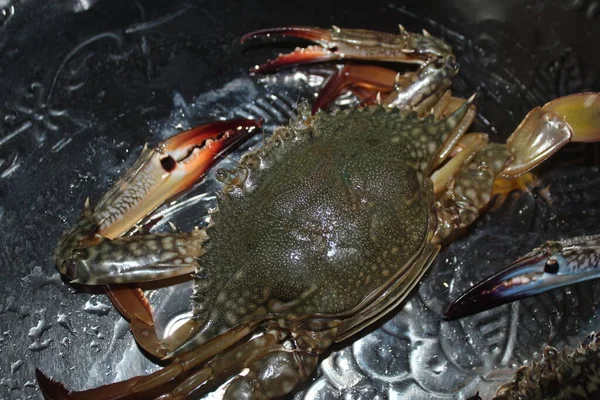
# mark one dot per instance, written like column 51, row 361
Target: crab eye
column 551, row 266
column 439, row 63
column 70, row 270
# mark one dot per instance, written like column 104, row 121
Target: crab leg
column 363, row 80
column 134, row 307
column 414, row 90
column 90, row 253
column 359, row 44
column 544, row 131
column 431, row 80
column 153, row 385
column 423, row 87
column 470, row 144
column 274, row 369
column 550, row 266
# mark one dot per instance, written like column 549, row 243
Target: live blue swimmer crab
column 318, row 234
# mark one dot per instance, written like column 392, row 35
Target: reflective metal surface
column 84, row 84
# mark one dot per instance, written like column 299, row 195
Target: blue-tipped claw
column 554, row 264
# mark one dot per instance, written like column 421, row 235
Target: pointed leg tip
column 262, row 34
column 299, row 56
column 304, row 32
column 473, row 302
column 457, row 311
column 266, row 68
column 51, row 390
column 259, row 34
column 454, row 312
column 248, row 37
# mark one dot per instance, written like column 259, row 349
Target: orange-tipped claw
column 157, row 175
column 360, row 44
column 299, row 56
column 306, row 55
column 318, row 35
column 160, row 173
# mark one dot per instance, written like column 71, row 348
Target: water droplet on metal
column 10, row 383
column 96, row 307
column 14, row 367
column 64, row 322
column 42, row 325
column 40, row 345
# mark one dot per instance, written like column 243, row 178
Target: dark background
column 84, row 84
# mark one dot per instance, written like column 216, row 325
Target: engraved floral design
column 32, row 113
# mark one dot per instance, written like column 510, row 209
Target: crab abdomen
column 323, row 218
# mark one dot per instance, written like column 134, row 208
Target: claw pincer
column 358, row 44
column 554, row 264
column 436, row 60
column 91, row 251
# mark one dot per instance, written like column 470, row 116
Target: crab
column 318, row 234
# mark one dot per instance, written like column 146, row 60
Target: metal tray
column 85, row 83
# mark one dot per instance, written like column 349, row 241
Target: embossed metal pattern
column 84, row 84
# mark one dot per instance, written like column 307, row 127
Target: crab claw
column 553, row 265
column 157, row 175
column 360, row 44
column 299, row 56
column 160, row 173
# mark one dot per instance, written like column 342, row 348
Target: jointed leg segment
column 465, row 183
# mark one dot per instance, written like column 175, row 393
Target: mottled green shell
column 319, row 218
